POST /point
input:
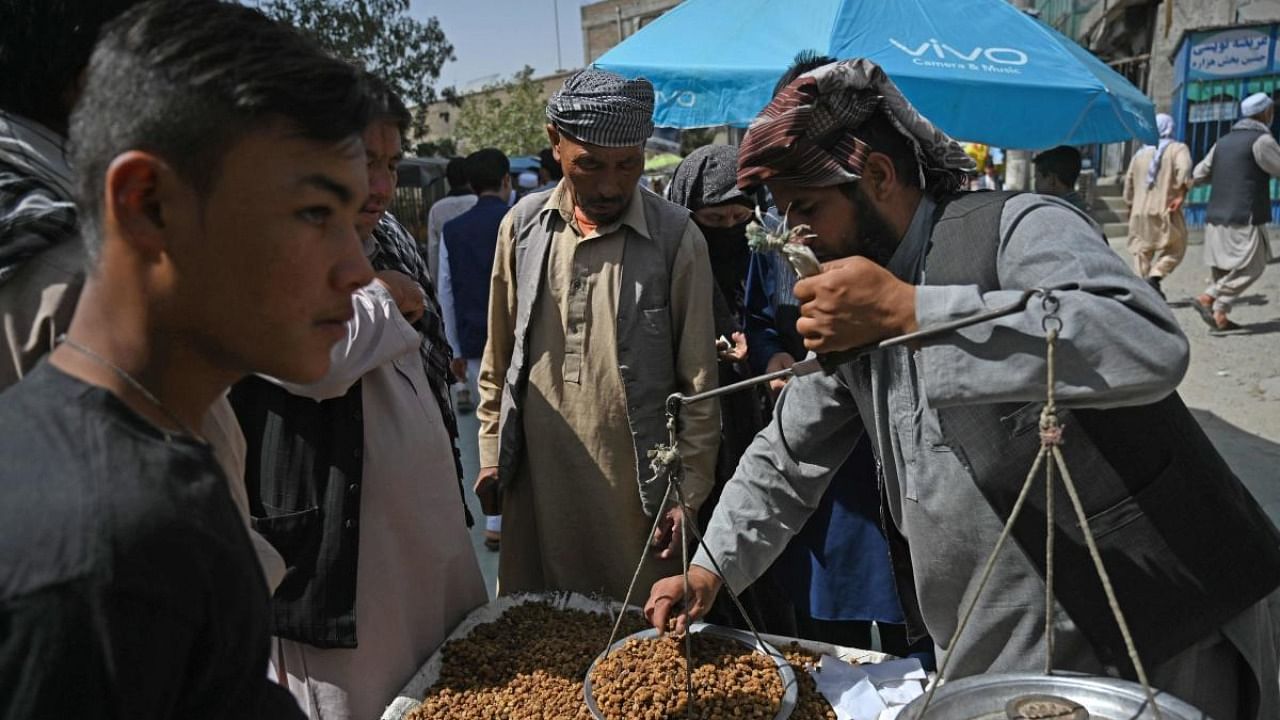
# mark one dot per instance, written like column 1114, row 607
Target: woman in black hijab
column 706, row 183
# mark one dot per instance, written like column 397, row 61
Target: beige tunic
column 1157, row 236
column 417, row 575
column 572, row 520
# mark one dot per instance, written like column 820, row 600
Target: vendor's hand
column 665, row 543
column 737, row 352
column 851, row 303
column 459, row 368
column 779, row 361
column 489, row 491
column 407, row 293
column 668, row 593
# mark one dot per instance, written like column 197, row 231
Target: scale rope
column 665, row 461
column 1051, row 432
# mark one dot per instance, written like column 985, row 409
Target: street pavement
column 468, row 427
column 1233, row 382
column 1232, row 387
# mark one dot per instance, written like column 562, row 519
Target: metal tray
column 417, row 687
column 988, row 697
column 790, row 687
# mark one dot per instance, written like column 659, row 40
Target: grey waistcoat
column 646, row 347
column 1241, row 189
column 1186, row 545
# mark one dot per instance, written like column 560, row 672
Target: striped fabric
column 806, row 134
column 36, row 207
column 602, row 108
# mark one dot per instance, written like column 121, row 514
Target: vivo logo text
column 943, row 51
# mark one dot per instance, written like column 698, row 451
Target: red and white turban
column 808, row 134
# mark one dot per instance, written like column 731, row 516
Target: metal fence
column 1211, row 108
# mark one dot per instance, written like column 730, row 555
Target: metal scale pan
column 1027, row 696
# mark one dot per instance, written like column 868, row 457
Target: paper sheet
column 869, row 692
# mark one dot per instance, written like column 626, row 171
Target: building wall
column 609, row 22
column 1116, row 29
column 442, row 117
column 1191, row 15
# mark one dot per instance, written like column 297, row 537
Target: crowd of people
column 234, row 485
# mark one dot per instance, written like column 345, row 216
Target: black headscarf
column 706, row 178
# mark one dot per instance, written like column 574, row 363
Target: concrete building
column 1194, row 58
column 604, row 24
column 609, row 22
column 442, row 117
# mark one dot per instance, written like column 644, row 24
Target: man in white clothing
column 360, row 491
column 459, row 200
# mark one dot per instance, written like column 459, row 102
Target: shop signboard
column 1238, row 52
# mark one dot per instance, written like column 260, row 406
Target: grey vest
column 1241, row 190
column 1186, row 545
column 646, row 347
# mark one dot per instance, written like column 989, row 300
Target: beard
column 876, row 241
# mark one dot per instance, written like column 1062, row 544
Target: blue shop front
column 1213, row 71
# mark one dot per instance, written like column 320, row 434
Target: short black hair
column 1062, row 162
column 486, row 168
column 387, row 104
column 804, row 61
column 547, row 159
column 456, row 173
column 44, row 46
column 186, row 79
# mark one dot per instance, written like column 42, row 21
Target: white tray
column 416, row 689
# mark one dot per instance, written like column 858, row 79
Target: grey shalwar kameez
column 1119, row 346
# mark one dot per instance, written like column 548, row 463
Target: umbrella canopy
column 981, row 70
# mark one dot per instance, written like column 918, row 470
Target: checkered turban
column 806, row 135
column 602, row 108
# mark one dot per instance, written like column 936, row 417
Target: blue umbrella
column 980, row 69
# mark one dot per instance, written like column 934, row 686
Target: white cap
column 1255, row 104
column 527, row 180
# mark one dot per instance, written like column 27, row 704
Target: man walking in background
column 1155, row 187
column 1236, row 248
column 466, row 260
column 459, row 200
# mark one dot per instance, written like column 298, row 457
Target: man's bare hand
column 459, row 368
column 407, row 293
column 489, row 491
column 779, row 361
column 851, row 303
column 666, row 540
column 668, row 593
column 737, row 352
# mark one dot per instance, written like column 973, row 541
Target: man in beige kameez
column 1154, row 189
column 600, row 307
